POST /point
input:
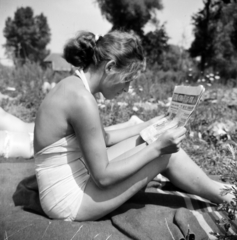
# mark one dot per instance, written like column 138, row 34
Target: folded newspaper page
column 183, row 103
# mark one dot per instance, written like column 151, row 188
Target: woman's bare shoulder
column 73, row 88
column 77, row 97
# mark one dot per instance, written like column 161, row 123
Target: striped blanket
column 160, row 212
column 203, row 210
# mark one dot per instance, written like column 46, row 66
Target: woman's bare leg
column 16, row 144
column 11, row 123
column 178, row 167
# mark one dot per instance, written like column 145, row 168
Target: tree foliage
column 130, row 14
column 225, row 44
column 215, row 31
column 203, row 32
column 155, row 44
column 134, row 15
column 26, row 36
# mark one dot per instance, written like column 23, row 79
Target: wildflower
column 140, row 88
column 122, row 104
column 191, row 134
column 11, row 89
column 46, row 87
column 101, row 106
column 131, row 91
column 135, row 109
column 199, row 135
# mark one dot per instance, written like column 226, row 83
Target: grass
column 214, row 155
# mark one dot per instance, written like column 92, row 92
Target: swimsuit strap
column 82, row 76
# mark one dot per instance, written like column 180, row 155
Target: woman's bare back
column 52, row 116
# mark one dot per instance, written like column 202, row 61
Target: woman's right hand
column 170, row 141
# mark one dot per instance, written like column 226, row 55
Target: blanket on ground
column 160, row 212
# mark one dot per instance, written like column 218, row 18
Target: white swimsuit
column 62, row 175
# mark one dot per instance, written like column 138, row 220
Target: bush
column 27, row 81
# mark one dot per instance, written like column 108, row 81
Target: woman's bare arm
column 85, row 119
column 115, row 136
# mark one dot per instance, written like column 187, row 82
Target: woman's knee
column 174, row 158
column 181, row 154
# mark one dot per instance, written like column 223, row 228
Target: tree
column 215, row 30
column 225, row 44
column 134, row 15
column 130, row 14
column 26, row 36
column 155, row 43
column 203, row 33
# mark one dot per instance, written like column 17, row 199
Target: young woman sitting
column 83, row 171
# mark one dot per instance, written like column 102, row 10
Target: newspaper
column 183, row 103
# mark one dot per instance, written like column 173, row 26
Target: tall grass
column 27, row 81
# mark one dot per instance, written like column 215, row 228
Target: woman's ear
column 109, row 67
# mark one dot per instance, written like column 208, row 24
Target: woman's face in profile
column 114, row 85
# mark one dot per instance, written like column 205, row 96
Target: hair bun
column 79, row 51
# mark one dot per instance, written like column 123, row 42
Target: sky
column 67, row 17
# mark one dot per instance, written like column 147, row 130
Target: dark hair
column 122, row 47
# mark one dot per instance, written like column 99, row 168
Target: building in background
column 57, row 63
column 57, row 68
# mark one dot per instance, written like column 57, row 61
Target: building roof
column 58, row 62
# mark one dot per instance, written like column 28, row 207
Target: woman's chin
column 109, row 97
